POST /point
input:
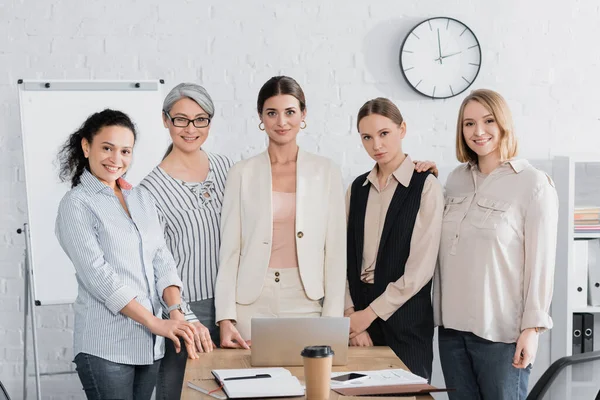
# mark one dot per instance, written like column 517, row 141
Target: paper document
column 258, row 382
column 386, row 377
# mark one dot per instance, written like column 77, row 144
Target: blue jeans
column 172, row 368
column 103, row 379
column 480, row 369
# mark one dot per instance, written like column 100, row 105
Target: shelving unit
column 588, row 309
column 564, row 176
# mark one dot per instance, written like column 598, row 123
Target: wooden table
column 359, row 359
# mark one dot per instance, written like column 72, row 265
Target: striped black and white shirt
column 117, row 258
column 191, row 218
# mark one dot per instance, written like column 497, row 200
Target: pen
column 257, row 376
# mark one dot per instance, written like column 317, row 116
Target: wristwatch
column 182, row 307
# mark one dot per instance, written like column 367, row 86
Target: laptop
column 279, row 341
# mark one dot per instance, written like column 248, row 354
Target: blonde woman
column 494, row 284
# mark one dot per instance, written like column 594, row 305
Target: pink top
column 283, row 250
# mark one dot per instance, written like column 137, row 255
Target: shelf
column 586, row 158
column 588, row 309
column 586, row 236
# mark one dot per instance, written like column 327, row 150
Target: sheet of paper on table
column 385, row 377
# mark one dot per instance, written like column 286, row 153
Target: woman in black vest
column 394, row 224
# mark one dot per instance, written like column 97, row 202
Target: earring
column 263, row 126
column 303, row 127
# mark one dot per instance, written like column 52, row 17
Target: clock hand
column 439, row 46
column 450, row 55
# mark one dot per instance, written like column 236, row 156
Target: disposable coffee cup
column 317, row 371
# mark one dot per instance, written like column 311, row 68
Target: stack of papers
column 587, row 220
column 386, row 377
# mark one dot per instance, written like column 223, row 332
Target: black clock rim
column 402, row 48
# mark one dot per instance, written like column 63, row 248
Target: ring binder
column 577, row 334
column 588, row 333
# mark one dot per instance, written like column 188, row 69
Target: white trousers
column 283, row 295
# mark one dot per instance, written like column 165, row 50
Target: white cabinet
column 577, row 183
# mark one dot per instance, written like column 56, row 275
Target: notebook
column 258, row 383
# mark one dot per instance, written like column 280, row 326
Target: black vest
column 413, row 322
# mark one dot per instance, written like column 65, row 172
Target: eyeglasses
column 182, row 122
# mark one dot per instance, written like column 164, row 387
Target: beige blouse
column 424, row 242
column 283, row 250
column 496, row 259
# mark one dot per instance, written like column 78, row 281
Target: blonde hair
column 497, row 106
column 380, row 106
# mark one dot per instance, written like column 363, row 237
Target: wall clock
column 440, row 57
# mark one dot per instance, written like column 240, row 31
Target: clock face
column 440, row 57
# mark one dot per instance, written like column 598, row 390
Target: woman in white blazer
column 283, row 226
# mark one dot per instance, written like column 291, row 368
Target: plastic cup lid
column 317, row 351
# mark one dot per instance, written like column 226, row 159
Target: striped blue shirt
column 191, row 218
column 117, row 259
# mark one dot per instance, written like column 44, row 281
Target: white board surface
column 48, row 116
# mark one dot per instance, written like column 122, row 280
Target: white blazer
column 247, row 230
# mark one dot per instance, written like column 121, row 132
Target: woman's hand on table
column 230, row 337
column 361, row 320
column 204, row 343
column 363, row 339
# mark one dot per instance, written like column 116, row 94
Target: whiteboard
column 50, row 112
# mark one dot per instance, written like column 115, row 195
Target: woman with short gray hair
column 188, row 187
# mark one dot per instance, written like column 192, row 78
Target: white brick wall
column 542, row 57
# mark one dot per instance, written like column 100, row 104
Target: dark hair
column 71, row 158
column 380, row 106
column 280, row 85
